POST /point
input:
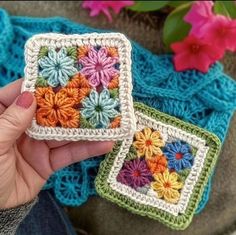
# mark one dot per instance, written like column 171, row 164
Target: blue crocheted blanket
column 207, row 100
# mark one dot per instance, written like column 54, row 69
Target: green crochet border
column 181, row 221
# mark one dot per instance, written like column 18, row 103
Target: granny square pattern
column 160, row 173
column 82, row 84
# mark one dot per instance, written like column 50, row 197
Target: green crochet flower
column 57, row 67
column 99, row 109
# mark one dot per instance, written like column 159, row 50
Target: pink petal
column 178, row 47
column 94, row 80
column 181, row 62
column 222, row 33
column 200, row 11
column 96, row 7
column 107, row 13
column 215, row 53
column 200, row 16
column 118, row 5
column 203, row 62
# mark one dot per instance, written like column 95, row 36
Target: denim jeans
column 46, row 218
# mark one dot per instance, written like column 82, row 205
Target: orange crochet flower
column 116, row 122
column 71, row 93
column 157, row 164
column 82, row 51
column 112, row 51
column 56, row 109
column 69, row 118
column 79, row 82
column 41, row 92
column 114, row 83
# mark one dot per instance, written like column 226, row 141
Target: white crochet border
column 128, row 121
column 167, row 131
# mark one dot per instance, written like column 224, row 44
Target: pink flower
column 200, row 17
column 222, row 32
column 214, row 29
column 97, row 7
column 99, row 67
column 195, row 53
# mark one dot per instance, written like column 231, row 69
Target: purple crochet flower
column 135, row 173
column 99, row 67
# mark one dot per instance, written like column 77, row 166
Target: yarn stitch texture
column 206, row 100
column 72, row 78
column 165, row 196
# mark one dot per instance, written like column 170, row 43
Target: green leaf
column 114, row 93
column 227, row 8
column 145, row 6
column 176, row 3
column 84, row 123
column 41, row 82
column 175, row 29
column 43, row 52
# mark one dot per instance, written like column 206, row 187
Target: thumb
column 15, row 120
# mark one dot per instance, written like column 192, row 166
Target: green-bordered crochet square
column 162, row 171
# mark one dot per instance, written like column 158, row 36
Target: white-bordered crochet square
column 168, row 132
column 105, row 106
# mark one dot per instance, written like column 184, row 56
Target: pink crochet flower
column 97, row 7
column 200, row 17
column 99, row 67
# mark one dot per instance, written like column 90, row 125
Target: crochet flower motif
column 56, row 108
column 167, row 186
column 179, row 155
column 148, row 143
column 135, row 173
column 99, row 109
column 157, row 164
column 99, row 67
column 81, row 84
column 57, row 67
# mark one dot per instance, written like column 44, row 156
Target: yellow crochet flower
column 167, row 185
column 148, row 143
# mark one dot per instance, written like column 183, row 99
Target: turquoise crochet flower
column 57, row 67
column 99, row 109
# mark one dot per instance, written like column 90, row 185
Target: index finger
column 9, row 93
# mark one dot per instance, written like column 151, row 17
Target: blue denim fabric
column 46, row 218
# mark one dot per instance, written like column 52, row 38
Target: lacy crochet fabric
column 207, row 100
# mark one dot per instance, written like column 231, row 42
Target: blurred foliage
column 175, row 28
column 227, row 8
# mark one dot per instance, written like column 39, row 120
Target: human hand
column 26, row 163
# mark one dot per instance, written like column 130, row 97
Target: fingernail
column 25, row 100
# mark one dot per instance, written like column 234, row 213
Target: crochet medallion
column 162, row 171
column 82, row 84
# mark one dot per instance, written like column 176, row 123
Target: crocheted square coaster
column 162, row 171
column 82, row 84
